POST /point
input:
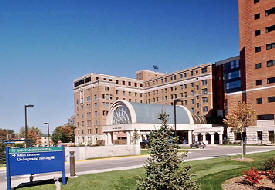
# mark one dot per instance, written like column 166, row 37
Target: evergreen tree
column 163, row 169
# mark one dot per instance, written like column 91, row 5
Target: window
column 165, row 79
column 271, row 99
column 270, row 11
column 107, row 88
column 116, row 91
column 103, row 96
column 141, row 85
column 185, row 102
column 193, row 101
column 192, row 92
column 257, row 32
column 233, row 84
column 185, row 94
column 204, row 99
column 171, row 77
column 185, row 75
column 259, row 100
column 192, row 109
column 185, row 86
column 260, row 135
column 123, row 93
column 234, row 74
column 204, row 82
column 192, row 73
column 265, row 117
column 271, row 80
column 258, row 82
column 204, row 91
column 175, row 77
column 197, row 87
column 181, row 76
column 256, row 1
column 135, row 84
column 88, row 98
column 234, row 64
column 270, row 63
column 192, row 84
column 205, row 109
column 258, row 49
column 270, row 46
column 270, row 28
column 204, row 70
column 198, row 105
column 258, row 65
column 257, row 16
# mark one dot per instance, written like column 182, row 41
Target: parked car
column 198, row 144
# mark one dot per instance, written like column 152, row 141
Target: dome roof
column 124, row 112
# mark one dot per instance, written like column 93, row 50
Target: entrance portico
column 126, row 118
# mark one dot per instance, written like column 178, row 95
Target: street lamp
column 175, row 113
column 26, row 122
column 46, row 123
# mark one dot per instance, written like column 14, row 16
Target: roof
column 149, row 113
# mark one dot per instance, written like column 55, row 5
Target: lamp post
column 46, row 123
column 175, row 115
column 26, row 123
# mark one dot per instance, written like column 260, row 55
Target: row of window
column 175, row 77
column 267, row 13
column 270, row 80
column 269, row 100
column 269, row 63
column 268, row 47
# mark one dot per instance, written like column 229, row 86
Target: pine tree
column 163, row 169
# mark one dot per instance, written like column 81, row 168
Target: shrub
column 269, row 164
column 252, row 176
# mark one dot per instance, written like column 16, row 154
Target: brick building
column 257, row 56
column 95, row 93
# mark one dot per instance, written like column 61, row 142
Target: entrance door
column 271, row 136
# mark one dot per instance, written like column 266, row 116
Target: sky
column 46, row 44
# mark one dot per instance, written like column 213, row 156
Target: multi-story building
column 227, row 82
column 95, row 93
column 257, row 56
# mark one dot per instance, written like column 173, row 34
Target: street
column 123, row 163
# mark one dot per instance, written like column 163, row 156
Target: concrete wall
column 82, row 153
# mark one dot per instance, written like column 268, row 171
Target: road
column 122, row 163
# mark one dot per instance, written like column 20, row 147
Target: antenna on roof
column 156, row 68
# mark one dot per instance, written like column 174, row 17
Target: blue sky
column 46, row 44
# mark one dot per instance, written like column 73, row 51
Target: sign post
column 37, row 160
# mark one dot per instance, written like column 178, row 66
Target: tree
column 163, row 170
column 242, row 116
column 34, row 135
column 64, row 134
column 5, row 134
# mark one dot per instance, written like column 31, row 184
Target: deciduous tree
column 34, row 134
column 242, row 116
column 64, row 134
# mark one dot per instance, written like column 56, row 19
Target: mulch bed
column 238, row 183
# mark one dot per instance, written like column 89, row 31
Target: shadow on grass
column 39, row 182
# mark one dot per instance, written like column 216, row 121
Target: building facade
column 95, row 93
column 257, row 56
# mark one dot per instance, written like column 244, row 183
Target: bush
column 269, row 169
column 252, row 176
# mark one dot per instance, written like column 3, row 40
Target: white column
column 220, row 139
column 212, row 138
column 105, row 138
column 189, row 137
column 140, row 138
column 204, row 138
column 128, row 137
column 109, row 139
column 196, row 137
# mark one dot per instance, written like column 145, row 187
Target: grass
column 211, row 173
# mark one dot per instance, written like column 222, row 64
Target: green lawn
column 211, row 173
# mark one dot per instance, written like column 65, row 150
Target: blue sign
column 37, row 160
